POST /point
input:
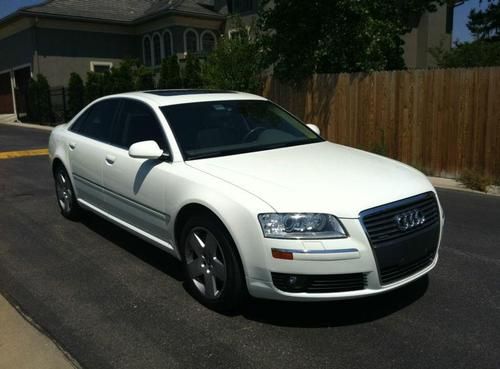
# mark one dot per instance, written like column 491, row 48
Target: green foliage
column 192, row 72
column 468, row 55
column 475, row 181
column 144, row 79
column 234, row 65
column 76, row 94
column 93, row 86
column 485, row 24
column 299, row 39
column 39, row 105
column 170, row 75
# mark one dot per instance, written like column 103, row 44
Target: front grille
column 400, row 253
column 381, row 227
column 319, row 283
column 394, row 273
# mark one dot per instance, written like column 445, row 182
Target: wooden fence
column 441, row 121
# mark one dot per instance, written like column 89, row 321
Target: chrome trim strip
column 338, row 251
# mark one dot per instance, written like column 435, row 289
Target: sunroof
column 186, row 92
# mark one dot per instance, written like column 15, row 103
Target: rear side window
column 137, row 122
column 98, row 121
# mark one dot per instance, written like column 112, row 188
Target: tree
column 485, row 24
column 484, row 51
column 234, row 65
column 144, row 79
column 192, row 72
column 301, row 38
column 93, row 87
column 76, row 94
column 39, row 104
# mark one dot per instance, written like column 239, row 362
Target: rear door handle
column 72, row 145
column 110, row 159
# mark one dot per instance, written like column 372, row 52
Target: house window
column 190, row 41
column 208, row 41
column 237, row 34
column 146, row 47
column 168, row 45
column 100, row 67
column 156, row 49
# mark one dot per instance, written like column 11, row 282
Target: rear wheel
column 213, row 272
column 65, row 193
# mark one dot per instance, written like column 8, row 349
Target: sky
column 460, row 31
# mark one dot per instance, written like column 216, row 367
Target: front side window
column 96, row 123
column 218, row 128
column 136, row 123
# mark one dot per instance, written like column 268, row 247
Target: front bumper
column 331, row 257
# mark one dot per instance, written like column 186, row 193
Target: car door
column 135, row 188
column 86, row 141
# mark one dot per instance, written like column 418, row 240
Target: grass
column 475, row 181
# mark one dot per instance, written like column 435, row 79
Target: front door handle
column 110, row 159
column 72, row 145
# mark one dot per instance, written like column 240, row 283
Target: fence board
column 441, row 121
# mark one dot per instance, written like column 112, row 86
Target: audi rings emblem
column 409, row 219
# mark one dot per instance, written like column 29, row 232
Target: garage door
column 6, row 104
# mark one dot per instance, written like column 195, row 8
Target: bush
column 93, row 87
column 170, row 74
column 39, row 105
column 234, row 65
column 144, row 79
column 76, row 94
column 192, row 72
column 475, row 181
column 469, row 55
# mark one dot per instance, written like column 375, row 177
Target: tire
column 214, row 275
column 65, row 194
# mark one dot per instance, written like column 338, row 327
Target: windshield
column 218, row 128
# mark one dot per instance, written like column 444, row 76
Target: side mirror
column 314, row 128
column 145, row 150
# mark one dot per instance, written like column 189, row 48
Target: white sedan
column 249, row 198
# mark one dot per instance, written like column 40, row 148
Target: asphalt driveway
column 113, row 301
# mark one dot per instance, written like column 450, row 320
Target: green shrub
column 93, row 87
column 144, row 79
column 76, row 94
column 39, row 104
column 475, row 181
column 192, row 72
column 170, row 73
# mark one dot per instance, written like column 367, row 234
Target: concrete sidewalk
column 23, row 346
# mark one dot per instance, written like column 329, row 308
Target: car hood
column 320, row 177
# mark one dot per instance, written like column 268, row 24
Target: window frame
column 153, row 50
column 209, row 32
column 85, row 114
column 186, row 31
column 166, row 150
column 171, row 37
column 148, row 38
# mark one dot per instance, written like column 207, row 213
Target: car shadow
column 134, row 245
column 334, row 313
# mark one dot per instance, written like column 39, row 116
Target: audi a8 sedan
column 250, row 199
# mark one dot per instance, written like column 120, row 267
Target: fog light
column 296, row 283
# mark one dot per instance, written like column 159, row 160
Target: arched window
column 190, row 41
column 167, row 44
column 156, row 49
column 146, row 50
column 208, row 41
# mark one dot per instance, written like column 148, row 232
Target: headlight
column 304, row 225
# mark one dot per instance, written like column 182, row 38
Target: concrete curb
column 451, row 184
column 29, row 125
column 25, row 344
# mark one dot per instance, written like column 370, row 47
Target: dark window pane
column 102, row 68
column 99, row 120
column 208, row 42
column 147, row 51
column 136, row 123
column 167, row 44
column 157, row 49
column 191, row 42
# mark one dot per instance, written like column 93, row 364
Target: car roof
column 175, row 97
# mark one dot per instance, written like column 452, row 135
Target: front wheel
column 213, row 272
column 65, row 193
